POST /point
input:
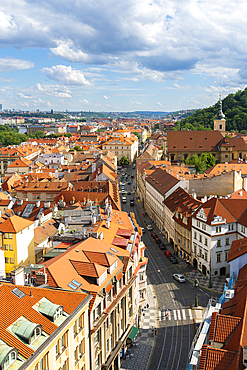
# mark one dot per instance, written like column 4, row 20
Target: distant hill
column 234, row 107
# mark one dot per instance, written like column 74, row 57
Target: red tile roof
column 215, row 359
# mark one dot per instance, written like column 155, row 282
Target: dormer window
column 8, row 355
column 58, row 313
column 36, row 334
column 113, row 267
column 26, row 330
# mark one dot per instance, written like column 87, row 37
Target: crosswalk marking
column 176, row 314
column 190, row 314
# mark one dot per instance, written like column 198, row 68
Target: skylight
column 76, row 283
column 18, row 293
column 114, row 250
column 72, row 286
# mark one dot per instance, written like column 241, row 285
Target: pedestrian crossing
column 177, row 315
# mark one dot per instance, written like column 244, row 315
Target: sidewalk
column 139, row 354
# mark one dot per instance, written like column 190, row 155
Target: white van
column 124, row 200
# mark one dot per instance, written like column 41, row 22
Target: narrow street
column 175, row 334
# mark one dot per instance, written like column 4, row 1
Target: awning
column 133, row 333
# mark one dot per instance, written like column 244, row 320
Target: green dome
column 24, row 329
column 48, row 308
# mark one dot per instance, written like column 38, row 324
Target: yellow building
column 17, row 239
column 43, row 329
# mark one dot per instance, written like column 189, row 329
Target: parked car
column 179, row 277
column 132, row 203
column 129, row 182
column 154, row 235
column 143, row 229
column 129, row 193
column 123, row 191
column 162, row 246
column 132, row 176
column 124, row 200
column 157, row 241
column 149, row 227
column 173, row 260
column 167, row 254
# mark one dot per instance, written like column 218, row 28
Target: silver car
column 179, row 277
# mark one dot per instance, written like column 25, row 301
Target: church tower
column 219, row 120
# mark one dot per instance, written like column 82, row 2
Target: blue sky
column 120, row 55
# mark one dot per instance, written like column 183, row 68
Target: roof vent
column 77, row 250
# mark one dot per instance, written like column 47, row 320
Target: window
column 206, row 241
column 81, row 321
column 195, row 236
column 219, row 243
column 218, row 229
column 107, row 346
column 5, row 235
column 226, row 256
column 242, row 229
column 96, row 338
column 11, row 247
column 6, row 259
column 97, row 362
column 107, row 324
column 218, row 257
column 227, row 241
column 206, row 256
column 200, row 252
column 6, row 247
column 81, row 348
column 36, row 334
column 58, row 313
column 11, row 260
column 10, row 358
column 57, row 348
column 200, row 238
column 10, row 236
column 141, row 294
column 194, row 249
column 64, row 340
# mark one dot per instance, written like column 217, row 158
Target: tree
column 201, row 163
column 77, row 148
column 39, row 134
column 124, row 161
column 156, row 126
column 100, row 130
column 138, row 135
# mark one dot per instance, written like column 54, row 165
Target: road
column 175, row 334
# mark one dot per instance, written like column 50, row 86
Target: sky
column 118, row 56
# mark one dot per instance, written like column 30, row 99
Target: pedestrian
column 193, row 272
column 155, row 331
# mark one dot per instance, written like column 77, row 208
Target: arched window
column 10, row 358
column 58, row 313
column 36, row 334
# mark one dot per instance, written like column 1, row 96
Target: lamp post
column 196, row 283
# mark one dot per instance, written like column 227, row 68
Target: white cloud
column 54, row 90
column 21, row 95
column 12, row 64
column 106, row 97
column 160, row 105
column 67, row 75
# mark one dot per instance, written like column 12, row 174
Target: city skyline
column 127, row 56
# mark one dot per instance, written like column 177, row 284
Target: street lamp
column 196, row 283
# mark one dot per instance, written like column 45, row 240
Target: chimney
column 38, row 204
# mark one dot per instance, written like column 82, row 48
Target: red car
column 167, row 254
column 157, row 240
column 154, row 235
